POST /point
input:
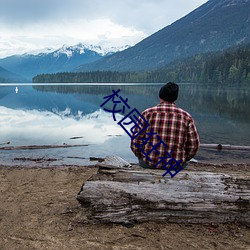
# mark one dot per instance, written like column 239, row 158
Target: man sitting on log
column 169, row 137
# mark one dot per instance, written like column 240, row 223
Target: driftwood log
column 133, row 194
column 30, row 147
column 224, row 147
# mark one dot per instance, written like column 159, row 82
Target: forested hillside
column 229, row 66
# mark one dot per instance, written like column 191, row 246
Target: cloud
column 22, row 12
column 142, row 14
column 37, row 23
column 38, row 36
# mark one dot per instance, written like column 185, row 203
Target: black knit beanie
column 169, row 92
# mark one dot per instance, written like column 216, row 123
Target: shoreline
column 192, row 165
column 51, row 157
column 39, row 210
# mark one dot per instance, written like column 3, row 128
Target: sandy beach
column 39, row 210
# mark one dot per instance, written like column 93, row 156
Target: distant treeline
column 230, row 66
column 91, row 77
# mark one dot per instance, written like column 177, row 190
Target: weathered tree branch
column 118, row 195
column 29, row 147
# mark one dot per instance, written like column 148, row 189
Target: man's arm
column 193, row 141
column 137, row 141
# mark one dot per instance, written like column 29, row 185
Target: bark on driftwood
column 117, row 195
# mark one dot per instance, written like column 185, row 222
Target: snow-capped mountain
column 64, row 59
column 81, row 48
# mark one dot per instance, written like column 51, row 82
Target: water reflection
column 226, row 101
column 222, row 114
column 51, row 114
column 30, row 127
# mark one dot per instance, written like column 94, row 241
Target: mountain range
column 64, row 59
column 214, row 26
column 7, row 76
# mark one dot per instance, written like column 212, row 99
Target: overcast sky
column 27, row 25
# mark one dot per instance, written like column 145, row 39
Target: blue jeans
column 145, row 165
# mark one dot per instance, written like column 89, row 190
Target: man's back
column 175, row 134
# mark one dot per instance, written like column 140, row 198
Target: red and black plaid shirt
column 175, row 127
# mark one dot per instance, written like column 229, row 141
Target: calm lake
column 71, row 114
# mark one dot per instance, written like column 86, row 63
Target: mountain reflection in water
column 71, row 114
